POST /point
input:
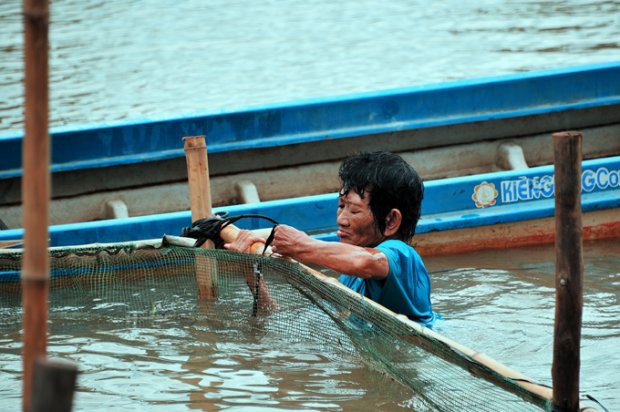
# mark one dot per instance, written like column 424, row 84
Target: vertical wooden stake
column 569, row 271
column 35, row 189
column 198, row 176
column 53, row 386
column 200, row 204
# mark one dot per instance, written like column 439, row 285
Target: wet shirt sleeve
column 407, row 288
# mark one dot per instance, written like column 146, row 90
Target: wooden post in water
column 569, row 271
column 53, row 386
column 200, row 205
column 35, row 189
column 198, row 176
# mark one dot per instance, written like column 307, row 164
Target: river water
column 119, row 60
column 497, row 302
column 113, row 60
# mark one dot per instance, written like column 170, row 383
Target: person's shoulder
column 395, row 244
column 403, row 248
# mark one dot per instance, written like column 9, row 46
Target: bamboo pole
column 35, row 189
column 569, row 271
column 200, row 204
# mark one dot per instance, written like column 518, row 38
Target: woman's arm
column 340, row 257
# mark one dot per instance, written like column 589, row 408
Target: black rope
column 590, row 397
column 597, row 402
column 270, row 238
column 258, row 274
column 209, row 228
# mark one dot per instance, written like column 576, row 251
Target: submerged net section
column 270, row 297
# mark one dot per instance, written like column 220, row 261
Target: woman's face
column 356, row 223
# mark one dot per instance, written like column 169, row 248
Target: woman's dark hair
column 390, row 182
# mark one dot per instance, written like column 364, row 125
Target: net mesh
column 268, row 296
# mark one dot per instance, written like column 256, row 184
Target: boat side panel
column 471, row 101
column 455, row 203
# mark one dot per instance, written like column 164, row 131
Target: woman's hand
column 244, row 241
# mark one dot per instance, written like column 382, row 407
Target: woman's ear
column 393, row 220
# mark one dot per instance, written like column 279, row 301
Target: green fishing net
column 272, row 297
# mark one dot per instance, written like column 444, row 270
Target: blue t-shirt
column 407, row 287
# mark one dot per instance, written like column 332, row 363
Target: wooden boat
column 262, row 153
column 467, row 213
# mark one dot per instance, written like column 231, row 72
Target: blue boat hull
column 258, row 143
column 463, row 212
